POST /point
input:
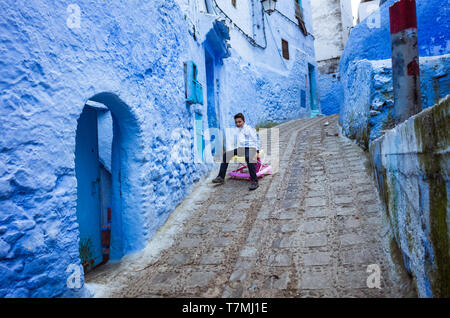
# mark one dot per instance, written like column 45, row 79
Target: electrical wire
column 287, row 18
column 275, row 41
column 251, row 40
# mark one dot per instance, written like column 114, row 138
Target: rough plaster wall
column 332, row 22
column 373, row 42
column 262, row 95
column 331, row 93
column 260, row 82
column 47, row 74
column 411, row 165
column 279, row 27
column 347, row 19
column 328, row 33
column 276, row 27
column 241, row 14
column 308, row 12
column 329, row 67
column 365, row 114
column 436, row 75
column 369, row 41
column 358, row 87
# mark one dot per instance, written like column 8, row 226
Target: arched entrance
column 109, row 195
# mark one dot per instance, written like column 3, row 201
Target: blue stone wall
column 331, row 93
column 261, row 94
column 371, row 38
column 132, row 49
column 369, row 96
column 411, row 164
column 366, row 71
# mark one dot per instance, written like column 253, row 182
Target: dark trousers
column 249, row 154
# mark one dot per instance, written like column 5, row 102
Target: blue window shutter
column 193, row 89
column 199, row 93
column 188, row 75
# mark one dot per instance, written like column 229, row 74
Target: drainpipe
column 405, row 60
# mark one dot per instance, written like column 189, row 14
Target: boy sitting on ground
column 248, row 146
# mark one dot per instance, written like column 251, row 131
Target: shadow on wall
column 125, row 209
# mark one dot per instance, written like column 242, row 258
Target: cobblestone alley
column 310, row 230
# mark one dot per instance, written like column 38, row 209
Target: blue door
column 200, row 143
column 211, row 101
column 312, row 91
column 88, row 199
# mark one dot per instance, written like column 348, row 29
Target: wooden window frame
column 285, row 49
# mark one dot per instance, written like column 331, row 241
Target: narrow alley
column 115, row 117
column 310, row 230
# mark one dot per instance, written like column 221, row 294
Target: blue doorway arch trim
column 127, row 212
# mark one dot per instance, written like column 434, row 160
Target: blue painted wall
column 48, row 72
column 369, row 95
column 331, row 93
column 262, row 94
column 411, row 164
column 210, row 91
column 371, row 40
column 261, row 77
column 366, row 71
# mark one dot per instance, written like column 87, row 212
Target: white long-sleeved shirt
column 247, row 137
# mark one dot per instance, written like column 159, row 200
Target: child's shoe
column 218, row 179
column 254, row 185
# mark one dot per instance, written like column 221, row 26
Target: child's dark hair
column 240, row 115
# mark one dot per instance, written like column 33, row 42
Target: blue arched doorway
column 107, row 164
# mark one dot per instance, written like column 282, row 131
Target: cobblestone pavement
column 310, row 230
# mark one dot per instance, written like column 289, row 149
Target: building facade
column 366, row 7
column 332, row 22
column 109, row 114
